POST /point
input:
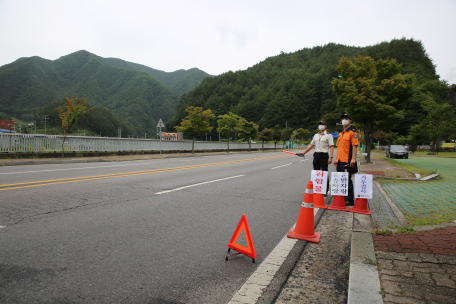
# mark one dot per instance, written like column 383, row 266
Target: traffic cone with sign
column 360, row 207
column 338, row 203
column 305, row 226
column 319, row 201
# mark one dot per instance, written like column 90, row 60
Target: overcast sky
column 218, row 36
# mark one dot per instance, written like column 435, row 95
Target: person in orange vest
column 347, row 145
column 324, row 149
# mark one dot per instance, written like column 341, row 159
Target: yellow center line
column 126, row 174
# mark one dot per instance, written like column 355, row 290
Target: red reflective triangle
column 248, row 251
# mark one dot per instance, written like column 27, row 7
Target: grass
column 392, row 180
column 396, row 163
column 347, row 267
column 441, row 154
column 368, row 260
column 382, row 292
column 434, row 219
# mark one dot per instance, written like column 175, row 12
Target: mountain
column 295, row 88
column 180, row 81
column 128, row 90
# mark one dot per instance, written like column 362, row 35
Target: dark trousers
column 320, row 162
column 341, row 168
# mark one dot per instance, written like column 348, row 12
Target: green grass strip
column 408, row 167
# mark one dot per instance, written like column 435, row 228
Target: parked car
column 396, row 151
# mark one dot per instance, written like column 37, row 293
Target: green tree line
column 295, row 89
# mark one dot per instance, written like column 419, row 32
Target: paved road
column 150, row 231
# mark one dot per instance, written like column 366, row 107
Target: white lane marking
column 185, row 187
column 303, row 160
column 253, row 288
column 2, row 227
column 66, row 169
column 280, row 166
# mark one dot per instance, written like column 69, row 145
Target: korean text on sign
column 363, row 186
column 339, row 183
column 319, row 179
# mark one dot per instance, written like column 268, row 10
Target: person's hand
column 352, row 163
column 335, row 163
column 329, row 160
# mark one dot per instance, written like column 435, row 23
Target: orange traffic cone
column 360, row 207
column 305, row 226
column 338, row 203
column 319, row 201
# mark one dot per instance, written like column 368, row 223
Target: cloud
column 237, row 36
column 451, row 76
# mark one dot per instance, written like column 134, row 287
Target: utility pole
column 45, row 118
column 160, row 125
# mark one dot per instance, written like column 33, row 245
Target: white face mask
column 345, row 122
column 321, row 127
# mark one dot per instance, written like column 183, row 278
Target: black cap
column 346, row 115
column 322, row 122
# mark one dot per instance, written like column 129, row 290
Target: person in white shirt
column 324, row 149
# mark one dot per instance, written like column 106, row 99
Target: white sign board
column 319, row 179
column 363, row 186
column 339, row 183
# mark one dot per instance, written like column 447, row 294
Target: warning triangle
column 249, row 251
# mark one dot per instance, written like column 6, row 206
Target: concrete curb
column 69, row 161
column 398, row 213
column 42, row 162
column 364, row 281
column 265, row 284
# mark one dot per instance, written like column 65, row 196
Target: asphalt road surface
column 150, row 231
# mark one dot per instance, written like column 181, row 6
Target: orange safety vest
column 347, row 139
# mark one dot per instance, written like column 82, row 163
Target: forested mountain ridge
column 130, row 91
column 295, row 88
column 180, row 81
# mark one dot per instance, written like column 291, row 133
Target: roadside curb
column 94, row 160
column 265, row 284
column 398, row 213
column 43, row 162
column 364, row 280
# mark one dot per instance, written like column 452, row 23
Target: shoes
column 349, row 203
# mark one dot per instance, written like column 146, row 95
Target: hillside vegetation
column 295, row 88
column 136, row 95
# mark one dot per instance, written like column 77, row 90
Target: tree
column 374, row 93
column 286, row 135
column 390, row 137
column 75, row 107
column 196, row 122
column 265, row 135
column 277, row 135
column 227, row 124
column 302, row 133
column 380, row 136
column 246, row 130
column 440, row 122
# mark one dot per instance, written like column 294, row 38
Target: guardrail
column 51, row 143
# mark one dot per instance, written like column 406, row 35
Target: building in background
column 172, row 136
column 7, row 126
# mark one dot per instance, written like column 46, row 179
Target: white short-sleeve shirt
column 322, row 142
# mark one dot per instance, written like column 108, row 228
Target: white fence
column 50, row 143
